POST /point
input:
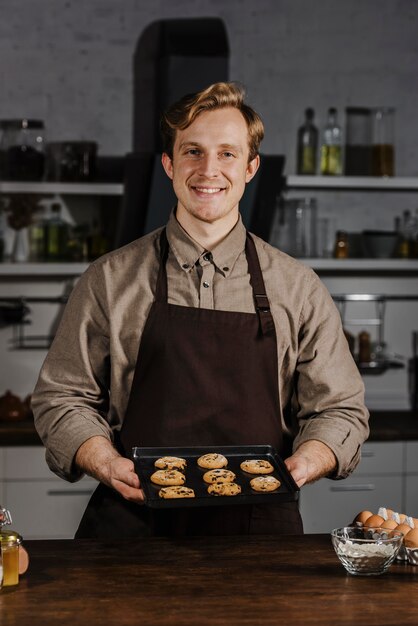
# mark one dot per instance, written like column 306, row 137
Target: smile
column 208, row 190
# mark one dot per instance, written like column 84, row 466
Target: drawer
column 381, row 457
column 47, row 509
column 411, row 456
column 26, row 462
column 329, row 504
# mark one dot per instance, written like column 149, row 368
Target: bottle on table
column 307, row 145
column 331, row 148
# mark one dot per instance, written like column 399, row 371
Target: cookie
column 219, row 476
column 224, row 489
column 171, row 463
column 265, row 483
column 212, row 461
column 168, row 477
column 169, row 493
column 257, row 466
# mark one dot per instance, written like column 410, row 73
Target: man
column 199, row 334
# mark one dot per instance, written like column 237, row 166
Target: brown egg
column 402, row 518
column 374, row 521
column 415, row 520
column 390, row 512
column 403, row 528
column 362, row 517
column 390, row 524
column 411, row 540
column 23, row 560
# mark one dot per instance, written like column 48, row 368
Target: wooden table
column 238, row 581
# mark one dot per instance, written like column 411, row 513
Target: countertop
column 384, row 426
column 218, row 581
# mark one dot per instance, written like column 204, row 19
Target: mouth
column 207, row 191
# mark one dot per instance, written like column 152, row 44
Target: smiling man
column 199, row 334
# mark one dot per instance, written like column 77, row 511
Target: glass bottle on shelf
column 331, row 148
column 341, row 245
column 307, row 144
column 37, row 239
column 57, row 233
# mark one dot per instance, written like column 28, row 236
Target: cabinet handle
column 63, row 492
column 365, row 487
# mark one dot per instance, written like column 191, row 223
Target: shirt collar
column 188, row 252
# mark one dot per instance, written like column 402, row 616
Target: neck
column 207, row 234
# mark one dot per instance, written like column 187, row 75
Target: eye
column 228, row 155
column 193, row 152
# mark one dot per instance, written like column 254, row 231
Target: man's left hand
column 311, row 461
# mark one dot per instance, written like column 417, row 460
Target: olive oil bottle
column 331, row 148
column 307, row 145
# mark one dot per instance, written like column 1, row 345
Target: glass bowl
column 366, row 551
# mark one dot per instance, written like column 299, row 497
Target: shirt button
column 207, row 256
column 206, row 285
column 185, row 266
column 225, row 269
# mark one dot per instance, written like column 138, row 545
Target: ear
column 252, row 168
column 167, row 165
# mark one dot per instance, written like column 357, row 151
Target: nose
column 208, row 165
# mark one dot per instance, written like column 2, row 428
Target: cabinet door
column 26, row 462
column 1, row 475
column 381, row 457
column 411, row 457
column 411, row 504
column 330, row 504
column 47, row 509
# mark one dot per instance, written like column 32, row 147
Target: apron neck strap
column 261, row 301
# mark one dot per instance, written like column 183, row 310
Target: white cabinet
column 42, row 505
column 411, row 495
column 379, row 480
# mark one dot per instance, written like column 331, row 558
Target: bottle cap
column 10, row 537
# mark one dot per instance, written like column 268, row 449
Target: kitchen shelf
column 42, row 269
column 362, row 265
column 46, row 188
column 364, row 183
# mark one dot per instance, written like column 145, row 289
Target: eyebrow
column 196, row 144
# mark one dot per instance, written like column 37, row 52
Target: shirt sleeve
column 71, row 398
column 329, row 390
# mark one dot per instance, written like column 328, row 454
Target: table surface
column 236, row 581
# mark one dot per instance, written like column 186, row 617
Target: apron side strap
column 161, row 290
column 261, row 301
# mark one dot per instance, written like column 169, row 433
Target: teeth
column 207, row 190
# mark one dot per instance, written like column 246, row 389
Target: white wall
column 70, row 63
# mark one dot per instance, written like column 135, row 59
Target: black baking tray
column 144, row 459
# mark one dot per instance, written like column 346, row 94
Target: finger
column 129, row 493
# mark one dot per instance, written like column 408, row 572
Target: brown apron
column 203, row 377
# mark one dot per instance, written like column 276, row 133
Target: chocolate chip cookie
column 219, row 476
column 257, row 466
column 212, row 461
column 168, row 477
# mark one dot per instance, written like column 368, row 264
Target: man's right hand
column 98, row 458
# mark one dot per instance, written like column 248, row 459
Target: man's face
column 210, row 166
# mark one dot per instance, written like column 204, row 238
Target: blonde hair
column 182, row 114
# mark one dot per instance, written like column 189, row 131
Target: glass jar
column 295, row 227
column 22, row 149
column 383, row 148
column 10, row 542
column 358, row 142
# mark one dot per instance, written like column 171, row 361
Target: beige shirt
column 84, row 384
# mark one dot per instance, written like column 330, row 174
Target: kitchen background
column 71, row 64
